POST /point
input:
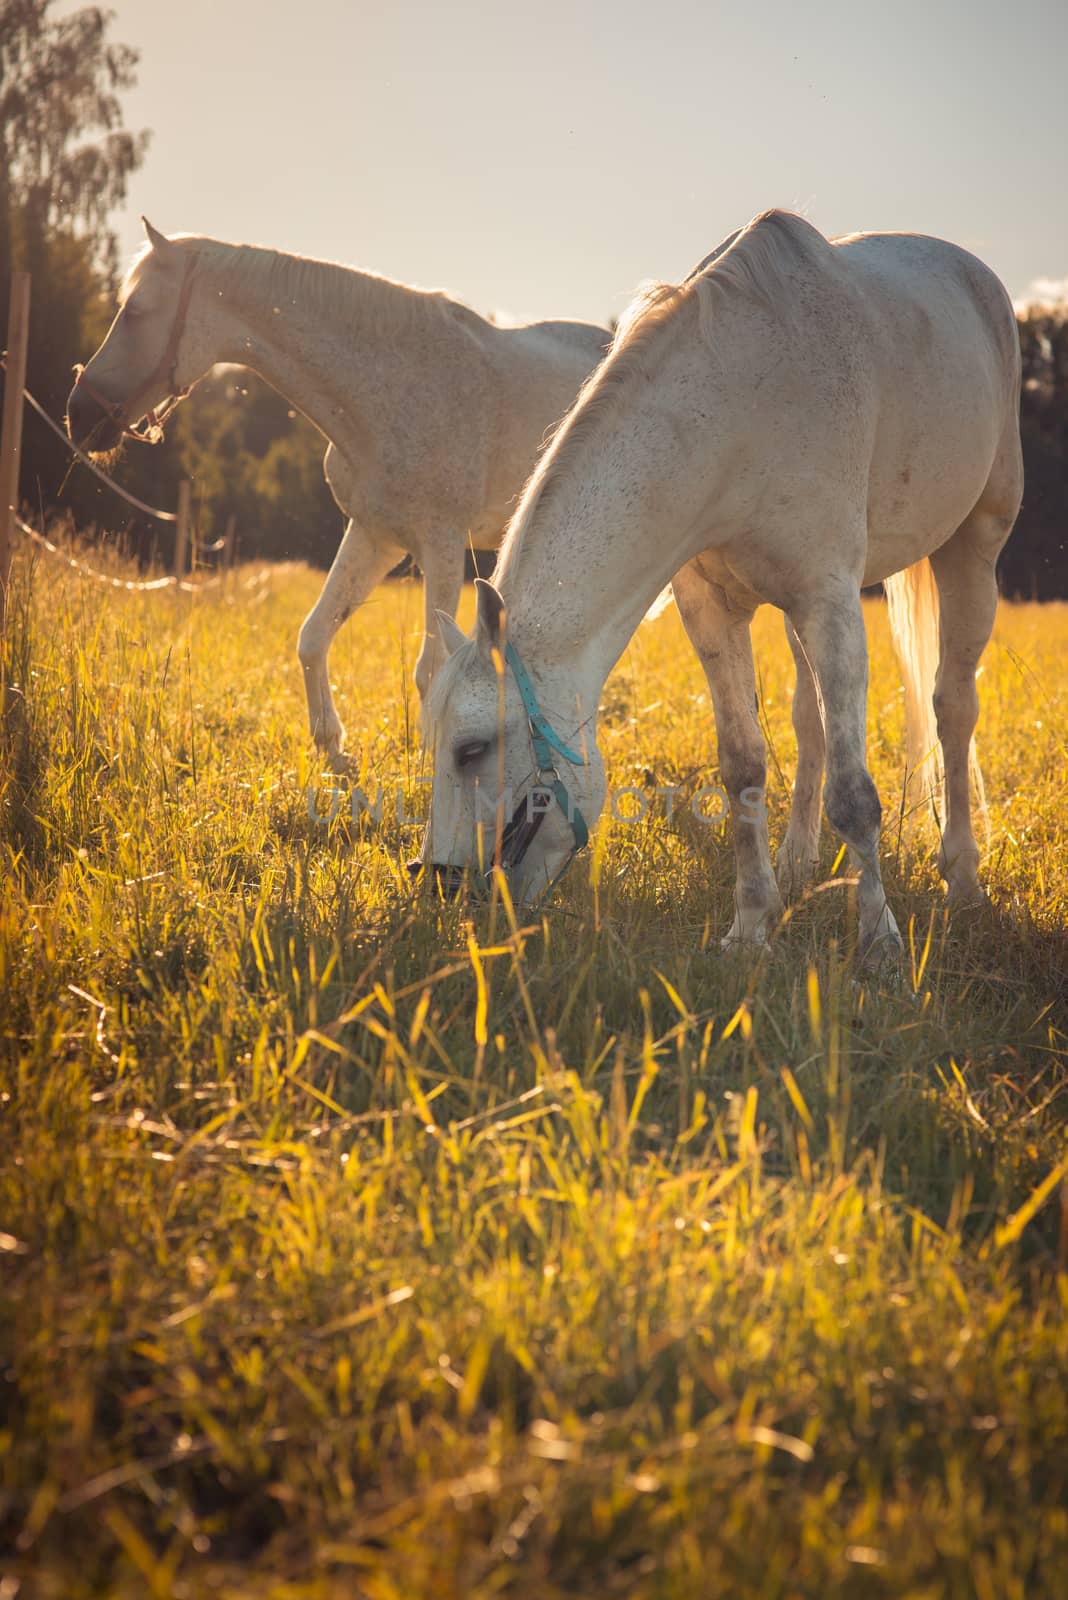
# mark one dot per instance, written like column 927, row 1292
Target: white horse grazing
column 796, row 420
column 434, row 416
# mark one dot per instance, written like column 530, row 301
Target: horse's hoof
column 747, row 938
column 969, row 897
column 734, row 945
column 884, row 955
column 337, row 761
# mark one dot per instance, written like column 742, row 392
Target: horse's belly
column 926, row 477
column 904, row 527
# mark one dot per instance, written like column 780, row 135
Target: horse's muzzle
column 88, row 424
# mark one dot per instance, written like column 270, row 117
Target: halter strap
column 521, row 830
column 120, row 410
column 522, row 827
column 541, row 731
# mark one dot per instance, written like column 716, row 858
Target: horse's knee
column 306, row 649
column 310, row 642
column 851, row 801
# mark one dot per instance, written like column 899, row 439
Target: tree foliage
column 65, row 159
column 1035, row 562
column 252, row 457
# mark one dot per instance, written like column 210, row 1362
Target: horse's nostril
column 87, row 423
column 75, row 414
column 414, row 867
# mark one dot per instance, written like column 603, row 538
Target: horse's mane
column 339, row 292
column 753, row 263
column 442, row 684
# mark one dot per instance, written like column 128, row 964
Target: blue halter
column 519, row 834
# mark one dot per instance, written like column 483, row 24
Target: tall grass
column 358, row 1245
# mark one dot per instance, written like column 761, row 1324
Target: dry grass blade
column 358, row 1243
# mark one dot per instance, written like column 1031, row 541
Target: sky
column 545, row 159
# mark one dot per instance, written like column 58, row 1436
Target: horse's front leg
column 362, row 562
column 442, row 561
column 798, row 854
column 720, row 635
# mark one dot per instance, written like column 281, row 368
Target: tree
column 251, row 456
column 65, row 159
column 1035, row 560
column 59, row 85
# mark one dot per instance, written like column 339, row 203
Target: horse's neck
column 331, row 353
column 624, row 515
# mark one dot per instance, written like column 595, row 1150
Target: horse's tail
column 912, row 604
column 661, row 603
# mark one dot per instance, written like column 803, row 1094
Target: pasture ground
column 354, row 1248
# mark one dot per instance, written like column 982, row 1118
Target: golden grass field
column 357, row 1245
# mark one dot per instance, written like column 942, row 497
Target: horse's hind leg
column 720, row 636
column 798, row 853
column 968, row 596
column 360, row 564
column 830, row 627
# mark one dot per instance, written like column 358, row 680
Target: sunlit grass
column 353, row 1248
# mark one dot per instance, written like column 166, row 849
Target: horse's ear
column 490, row 632
column 157, row 240
column 450, row 633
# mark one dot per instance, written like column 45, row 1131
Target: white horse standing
column 434, row 416
column 796, row 420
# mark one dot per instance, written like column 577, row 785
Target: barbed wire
column 61, row 433
column 128, row 584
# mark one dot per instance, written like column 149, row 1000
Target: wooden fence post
column 181, row 537
column 18, row 330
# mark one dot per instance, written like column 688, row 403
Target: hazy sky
column 544, row 158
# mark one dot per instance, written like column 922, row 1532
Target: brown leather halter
column 119, row 410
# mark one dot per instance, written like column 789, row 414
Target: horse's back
column 944, row 363
column 880, row 373
column 895, row 300
column 937, row 293
column 561, row 338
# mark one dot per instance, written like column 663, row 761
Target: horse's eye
column 465, row 755
column 132, row 309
